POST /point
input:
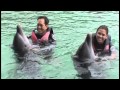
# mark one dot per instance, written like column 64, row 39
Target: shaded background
column 70, row 28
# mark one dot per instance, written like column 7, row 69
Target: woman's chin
column 100, row 42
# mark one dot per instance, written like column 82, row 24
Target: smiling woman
column 102, row 43
column 101, row 34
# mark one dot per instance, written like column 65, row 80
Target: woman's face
column 101, row 36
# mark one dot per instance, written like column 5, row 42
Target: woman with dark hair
column 102, row 44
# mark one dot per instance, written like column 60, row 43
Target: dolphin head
column 85, row 53
column 20, row 42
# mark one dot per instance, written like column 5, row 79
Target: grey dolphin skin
column 29, row 64
column 28, row 56
column 20, row 42
column 85, row 53
column 84, row 57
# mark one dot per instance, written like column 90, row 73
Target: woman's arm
column 113, row 52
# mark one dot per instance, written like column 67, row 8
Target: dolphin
column 29, row 55
column 21, row 43
column 85, row 53
column 84, row 57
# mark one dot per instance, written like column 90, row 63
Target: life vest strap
column 45, row 37
column 33, row 37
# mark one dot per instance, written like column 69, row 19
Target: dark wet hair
column 103, row 27
column 45, row 18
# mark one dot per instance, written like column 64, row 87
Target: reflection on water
column 70, row 28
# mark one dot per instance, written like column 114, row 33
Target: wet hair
column 103, row 27
column 45, row 18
